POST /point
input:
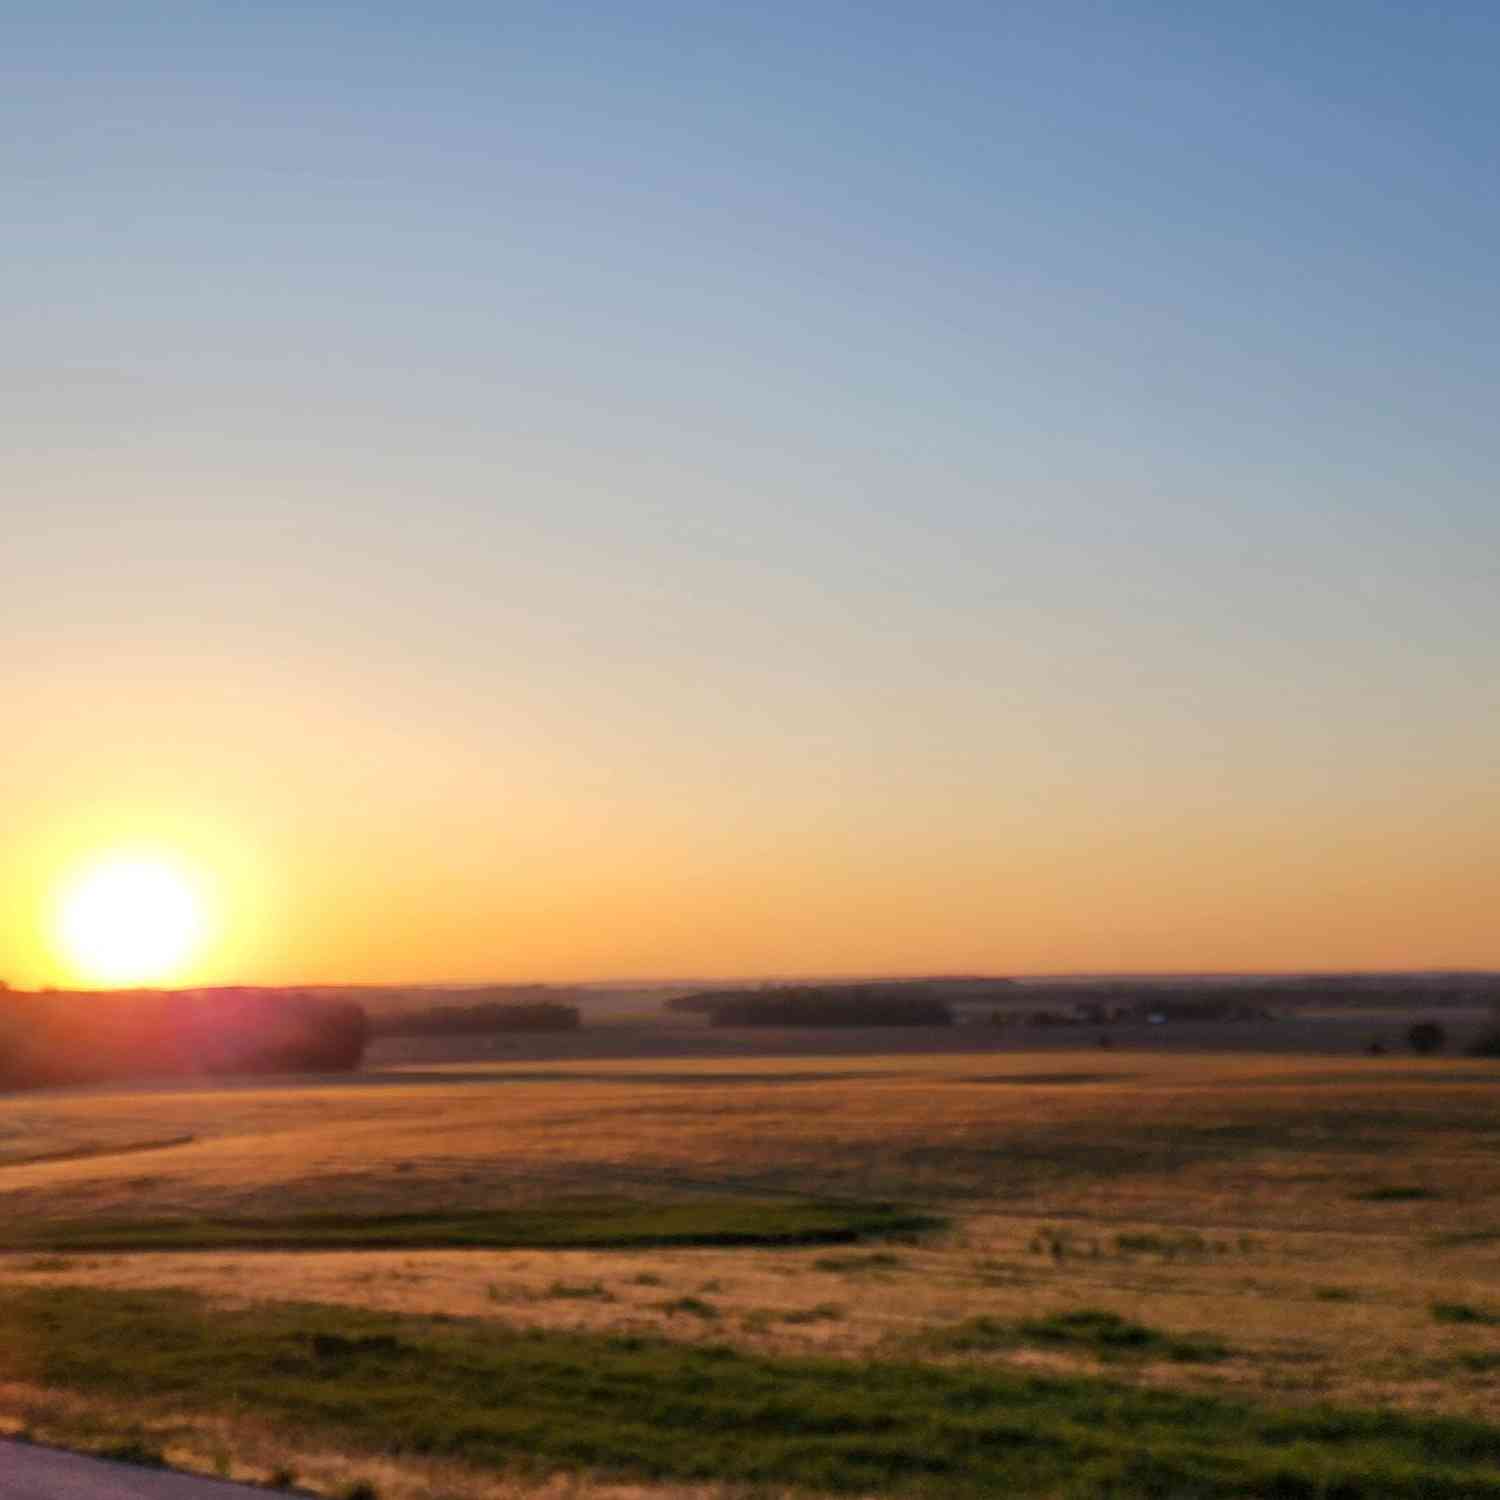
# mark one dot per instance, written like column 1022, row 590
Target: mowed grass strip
column 541, row 1402
column 585, row 1223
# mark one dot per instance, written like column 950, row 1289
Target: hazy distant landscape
column 1333, row 1014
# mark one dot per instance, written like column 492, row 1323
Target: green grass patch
column 1394, row 1193
column 583, row 1291
column 1185, row 1246
column 873, row 1260
column 538, row 1402
column 691, row 1307
column 586, row 1223
column 1462, row 1312
column 981, row 1335
column 1088, row 1330
column 1108, row 1334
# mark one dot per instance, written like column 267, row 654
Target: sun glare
column 131, row 919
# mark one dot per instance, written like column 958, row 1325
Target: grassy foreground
column 492, row 1396
column 591, row 1223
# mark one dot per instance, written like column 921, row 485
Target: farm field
column 1276, row 1232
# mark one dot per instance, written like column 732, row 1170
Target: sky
column 532, row 492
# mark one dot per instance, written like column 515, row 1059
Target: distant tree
column 1424, row 1037
column 263, row 1031
column 56, row 1038
column 876, row 1004
column 481, row 1020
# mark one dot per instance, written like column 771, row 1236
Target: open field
column 1269, row 1229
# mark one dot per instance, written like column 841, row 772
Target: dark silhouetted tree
column 1424, row 1037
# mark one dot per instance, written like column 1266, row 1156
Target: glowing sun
column 130, row 919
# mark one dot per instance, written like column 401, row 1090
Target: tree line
column 62, row 1037
column 895, row 1003
column 481, row 1019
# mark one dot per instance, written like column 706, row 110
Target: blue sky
column 983, row 434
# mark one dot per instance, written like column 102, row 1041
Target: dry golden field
column 1307, row 1214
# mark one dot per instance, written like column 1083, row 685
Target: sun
column 129, row 919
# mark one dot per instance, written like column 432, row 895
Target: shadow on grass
column 585, row 1223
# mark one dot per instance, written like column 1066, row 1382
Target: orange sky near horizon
column 341, row 846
